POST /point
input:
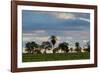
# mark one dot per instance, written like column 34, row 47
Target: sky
column 68, row 27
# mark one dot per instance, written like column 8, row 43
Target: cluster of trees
column 33, row 47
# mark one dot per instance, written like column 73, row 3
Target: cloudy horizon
column 68, row 27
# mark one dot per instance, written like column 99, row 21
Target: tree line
column 33, row 47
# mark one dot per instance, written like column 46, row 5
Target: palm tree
column 77, row 45
column 53, row 40
column 64, row 46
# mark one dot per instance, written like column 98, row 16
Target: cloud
column 67, row 26
column 77, row 34
column 38, row 31
column 85, row 41
column 35, row 35
column 34, row 32
column 65, row 15
column 71, row 16
column 37, row 39
column 28, row 34
column 68, row 36
column 60, row 15
column 83, row 34
column 84, row 19
column 54, row 21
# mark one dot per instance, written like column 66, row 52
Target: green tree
column 53, row 40
column 55, row 49
column 87, row 49
column 78, row 48
column 88, row 46
column 64, row 46
column 28, row 47
column 71, row 49
column 46, row 45
column 33, row 46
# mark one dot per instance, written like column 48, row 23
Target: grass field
column 54, row 57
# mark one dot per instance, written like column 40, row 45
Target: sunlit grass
column 55, row 57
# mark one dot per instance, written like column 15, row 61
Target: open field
column 54, row 57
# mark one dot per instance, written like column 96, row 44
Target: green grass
column 54, row 57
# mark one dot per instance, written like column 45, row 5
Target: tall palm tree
column 77, row 45
column 53, row 40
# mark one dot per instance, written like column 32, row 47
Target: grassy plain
column 54, row 57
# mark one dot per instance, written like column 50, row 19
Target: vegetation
column 46, row 51
column 46, row 45
column 54, row 57
column 31, row 46
column 53, row 40
column 64, row 46
column 78, row 48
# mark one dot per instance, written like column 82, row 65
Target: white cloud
column 34, row 33
column 39, row 31
column 25, row 39
column 70, row 38
column 66, row 35
column 84, row 19
column 76, row 33
column 28, row 34
column 41, row 38
column 35, row 38
column 65, row 15
column 85, row 41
